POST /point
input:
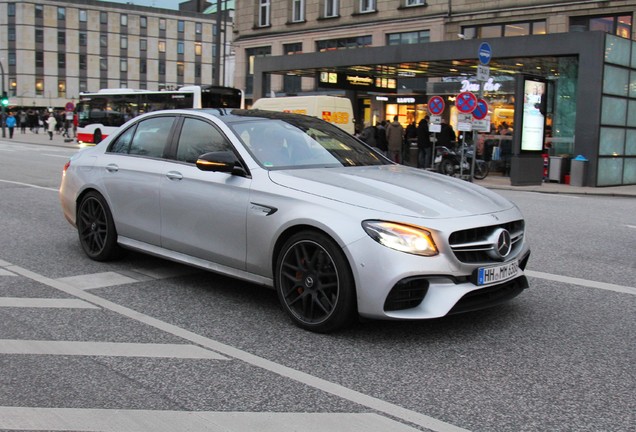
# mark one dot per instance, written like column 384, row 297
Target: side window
column 199, row 137
column 151, row 137
column 122, row 145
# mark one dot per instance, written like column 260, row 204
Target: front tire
column 447, row 167
column 481, row 170
column 96, row 228
column 314, row 283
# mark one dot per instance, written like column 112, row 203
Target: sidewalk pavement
column 493, row 181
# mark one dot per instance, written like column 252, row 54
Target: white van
column 336, row 110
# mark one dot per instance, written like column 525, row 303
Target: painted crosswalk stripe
column 17, row 418
column 19, row 302
column 109, row 349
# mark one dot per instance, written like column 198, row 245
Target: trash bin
column 558, row 168
column 578, row 171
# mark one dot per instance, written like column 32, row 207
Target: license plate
column 500, row 273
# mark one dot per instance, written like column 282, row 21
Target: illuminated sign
column 356, row 82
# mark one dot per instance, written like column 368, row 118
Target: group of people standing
column 33, row 120
column 394, row 140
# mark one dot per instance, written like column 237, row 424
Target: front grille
column 471, row 246
column 406, row 294
column 490, row 296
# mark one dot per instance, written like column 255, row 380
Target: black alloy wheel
column 314, row 283
column 96, row 228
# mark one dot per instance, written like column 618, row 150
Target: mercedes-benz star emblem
column 501, row 244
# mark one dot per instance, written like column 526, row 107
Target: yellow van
column 336, row 110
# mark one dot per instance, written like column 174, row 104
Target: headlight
column 404, row 238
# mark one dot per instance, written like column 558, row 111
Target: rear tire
column 96, row 228
column 314, row 283
column 481, row 170
column 446, row 167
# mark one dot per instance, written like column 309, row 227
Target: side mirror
column 221, row 161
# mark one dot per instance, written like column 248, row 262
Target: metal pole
column 4, row 133
column 217, row 44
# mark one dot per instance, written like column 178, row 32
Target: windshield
column 303, row 142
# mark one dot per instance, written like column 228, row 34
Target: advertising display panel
column 533, row 114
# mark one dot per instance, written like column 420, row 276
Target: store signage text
column 406, row 100
column 489, row 85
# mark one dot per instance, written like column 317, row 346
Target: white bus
column 100, row 114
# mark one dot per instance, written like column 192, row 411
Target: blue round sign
column 484, row 53
column 481, row 109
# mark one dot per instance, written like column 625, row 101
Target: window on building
column 197, row 70
column 61, row 89
column 252, row 54
column 103, row 64
column 264, row 7
column 298, row 11
column 61, row 37
column 39, row 11
column 162, row 67
column 331, row 8
column 507, row 29
column 143, row 66
column 123, row 65
column 103, row 17
column 123, row 84
column 198, row 28
column 619, row 25
column 180, row 26
column 180, row 48
column 143, row 44
column 39, row 59
column 415, row 3
column 406, row 38
column 143, row 22
column 292, row 83
column 162, row 46
column 367, row 6
column 82, row 62
column 198, row 49
column 103, row 83
column 123, row 20
column 12, row 58
column 39, row 87
column 343, row 43
column 11, row 9
column 11, row 33
column 123, row 42
column 61, row 13
column 39, row 35
column 83, row 86
column 180, row 69
column 83, row 15
column 61, row 60
column 82, row 38
column 103, row 40
column 162, row 24
column 13, row 86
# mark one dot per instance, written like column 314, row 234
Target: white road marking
column 25, row 302
column 29, row 185
column 107, row 349
column 97, row 280
column 631, row 226
column 582, row 282
column 65, row 419
column 337, row 390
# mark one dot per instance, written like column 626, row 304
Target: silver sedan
column 294, row 203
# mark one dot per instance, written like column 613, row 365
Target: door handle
column 112, row 168
column 174, row 175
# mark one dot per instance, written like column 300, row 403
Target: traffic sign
column 69, row 106
column 483, row 73
column 484, row 53
column 466, row 102
column 436, row 105
column 481, row 110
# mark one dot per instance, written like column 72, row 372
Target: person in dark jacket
column 424, row 145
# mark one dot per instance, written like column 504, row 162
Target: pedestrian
column 395, row 138
column 368, row 135
column 380, row 138
column 23, row 121
column 424, row 144
column 75, row 123
column 51, row 125
column 10, row 122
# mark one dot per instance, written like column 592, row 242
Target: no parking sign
column 481, row 110
column 436, row 105
column 466, row 102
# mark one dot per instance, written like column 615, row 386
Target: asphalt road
column 144, row 344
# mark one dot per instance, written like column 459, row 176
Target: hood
column 395, row 189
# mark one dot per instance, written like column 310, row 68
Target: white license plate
column 500, row 273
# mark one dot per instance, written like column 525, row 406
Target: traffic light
column 5, row 99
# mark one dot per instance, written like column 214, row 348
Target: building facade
column 416, row 49
column 52, row 50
